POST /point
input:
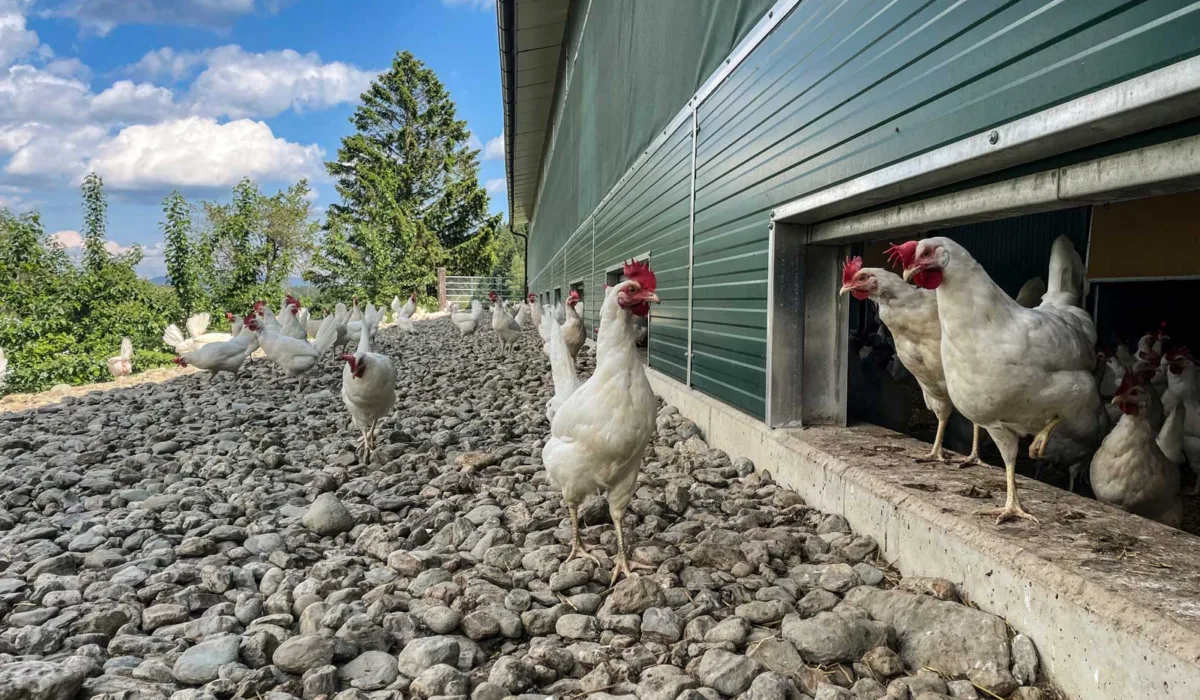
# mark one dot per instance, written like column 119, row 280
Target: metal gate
column 461, row 289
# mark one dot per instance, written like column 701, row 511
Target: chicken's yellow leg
column 577, row 548
column 936, row 454
column 972, row 458
column 1006, row 440
column 1037, row 449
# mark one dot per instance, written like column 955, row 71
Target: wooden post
column 441, row 289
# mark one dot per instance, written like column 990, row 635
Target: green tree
column 255, row 243
column 182, row 254
column 409, row 187
column 95, row 223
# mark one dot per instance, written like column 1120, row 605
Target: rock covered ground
column 195, row 542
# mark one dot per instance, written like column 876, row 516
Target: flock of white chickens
column 598, row 428
column 1018, row 367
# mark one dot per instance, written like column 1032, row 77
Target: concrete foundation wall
column 1111, row 600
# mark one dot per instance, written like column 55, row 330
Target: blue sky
column 157, row 95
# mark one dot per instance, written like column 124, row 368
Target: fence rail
column 461, row 289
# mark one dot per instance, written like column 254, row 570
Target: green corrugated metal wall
column 835, row 91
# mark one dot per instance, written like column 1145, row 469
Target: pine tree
column 409, row 187
column 181, row 254
column 95, row 224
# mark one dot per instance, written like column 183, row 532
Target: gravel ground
column 200, row 541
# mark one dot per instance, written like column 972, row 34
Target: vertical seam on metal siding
column 592, row 282
column 691, row 249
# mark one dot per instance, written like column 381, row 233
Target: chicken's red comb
column 851, row 268
column 573, row 296
column 492, row 295
column 1176, row 353
column 903, row 254
column 640, row 272
column 259, row 304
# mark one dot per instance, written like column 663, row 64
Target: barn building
column 747, row 147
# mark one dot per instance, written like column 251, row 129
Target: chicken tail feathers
column 126, row 349
column 326, row 335
column 197, row 325
column 562, row 367
column 1067, row 280
column 173, row 337
column 1170, row 438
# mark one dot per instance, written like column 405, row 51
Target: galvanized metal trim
column 761, row 30
column 1160, row 97
column 1163, row 168
column 691, row 251
column 768, row 414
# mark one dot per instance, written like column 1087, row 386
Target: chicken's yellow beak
column 909, row 272
column 651, row 298
column 1117, row 400
column 845, row 288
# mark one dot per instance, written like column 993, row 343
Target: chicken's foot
column 973, row 458
column 622, row 564
column 1012, row 506
column 577, row 548
column 1037, row 449
column 936, row 454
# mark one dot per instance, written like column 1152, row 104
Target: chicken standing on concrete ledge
column 911, row 314
column 1012, row 370
column 600, row 431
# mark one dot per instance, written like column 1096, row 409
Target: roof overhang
column 531, row 34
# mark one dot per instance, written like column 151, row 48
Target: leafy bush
column 59, row 322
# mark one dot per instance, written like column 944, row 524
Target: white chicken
column 467, row 322
column 562, row 367
column 1152, row 342
column 1132, row 470
column 368, row 317
column 290, row 324
column 537, row 313
column 572, row 327
column 368, row 390
column 265, row 316
column 600, row 431
column 295, row 357
column 122, row 364
column 228, row 356
column 197, row 336
column 1015, row 371
column 911, row 315
column 508, row 332
column 522, row 316
column 409, row 308
column 1183, row 390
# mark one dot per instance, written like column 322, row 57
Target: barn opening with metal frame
column 750, row 147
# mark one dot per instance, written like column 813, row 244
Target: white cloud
column 496, row 185
column 68, row 239
column 168, row 63
column 473, row 142
column 153, row 256
column 472, row 4
column 68, row 68
column 131, row 103
column 198, row 152
column 102, row 16
column 15, row 40
column 494, row 149
column 56, row 152
column 241, row 84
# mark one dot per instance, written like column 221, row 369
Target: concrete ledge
column 1111, row 600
